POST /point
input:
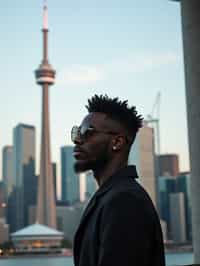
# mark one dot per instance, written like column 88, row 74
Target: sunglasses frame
column 78, row 132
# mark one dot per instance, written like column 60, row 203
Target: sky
column 131, row 49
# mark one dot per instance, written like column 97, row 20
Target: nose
column 78, row 140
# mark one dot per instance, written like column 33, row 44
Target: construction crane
column 153, row 119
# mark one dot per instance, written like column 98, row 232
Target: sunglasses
column 86, row 131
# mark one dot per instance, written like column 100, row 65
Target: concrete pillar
column 190, row 11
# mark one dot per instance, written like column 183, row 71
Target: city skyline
column 94, row 47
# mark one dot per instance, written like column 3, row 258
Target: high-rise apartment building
column 7, row 168
column 70, row 180
column 168, row 164
column 68, row 219
column 23, row 170
column 4, row 227
column 183, row 184
column 3, row 203
column 166, row 186
column 142, row 155
column 177, row 214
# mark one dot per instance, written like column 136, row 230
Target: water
column 171, row 259
column 179, row 259
column 61, row 261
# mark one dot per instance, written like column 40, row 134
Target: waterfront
column 171, row 260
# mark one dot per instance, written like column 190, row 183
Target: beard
column 101, row 159
column 80, row 166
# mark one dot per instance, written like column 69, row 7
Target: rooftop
column 37, row 230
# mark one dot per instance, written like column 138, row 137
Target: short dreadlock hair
column 118, row 111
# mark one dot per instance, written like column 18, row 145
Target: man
column 119, row 226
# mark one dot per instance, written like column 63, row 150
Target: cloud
column 135, row 64
column 144, row 62
column 79, row 74
column 150, row 62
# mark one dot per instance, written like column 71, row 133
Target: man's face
column 92, row 151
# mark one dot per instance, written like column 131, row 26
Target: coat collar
column 119, row 176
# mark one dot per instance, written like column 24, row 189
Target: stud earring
column 114, row 148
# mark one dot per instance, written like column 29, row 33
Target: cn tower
column 45, row 76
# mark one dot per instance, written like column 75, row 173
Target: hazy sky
column 130, row 48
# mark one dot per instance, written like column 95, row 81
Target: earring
column 114, row 148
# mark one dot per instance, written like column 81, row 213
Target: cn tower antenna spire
column 45, row 16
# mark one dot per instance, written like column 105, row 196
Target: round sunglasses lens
column 74, row 133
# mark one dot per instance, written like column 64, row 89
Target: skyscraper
column 45, row 75
column 3, row 205
column 183, row 184
column 166, row 186
column 70, row 180
column 142, row 155
column 7, row 168
column 177, row 214
column 4, row 227
column 23, row 167
column 168, row 164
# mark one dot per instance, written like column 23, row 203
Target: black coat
column 119, row 226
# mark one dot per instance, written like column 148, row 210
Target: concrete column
column 190, row 10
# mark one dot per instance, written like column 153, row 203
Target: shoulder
column 130, row 191
column 128, row 198
column 128, row 212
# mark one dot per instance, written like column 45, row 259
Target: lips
column 78, row 153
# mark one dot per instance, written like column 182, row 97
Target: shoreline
column 31, row 256
column 182, row 249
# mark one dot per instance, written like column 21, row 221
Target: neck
column 103, row 174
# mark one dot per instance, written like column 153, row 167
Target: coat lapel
column 79, row 232
column 88, row 209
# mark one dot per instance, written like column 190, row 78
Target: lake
column 171, row 259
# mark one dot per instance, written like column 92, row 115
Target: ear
column 118, row 143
